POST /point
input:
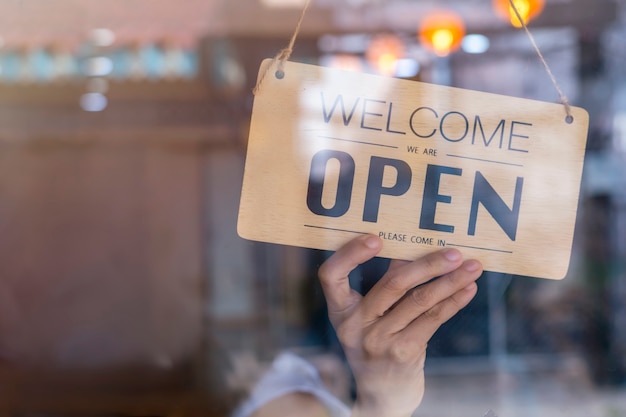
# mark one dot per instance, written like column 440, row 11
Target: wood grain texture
column 429, row 166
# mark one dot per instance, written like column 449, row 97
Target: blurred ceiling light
column 345, row 62
column 355, row 43
column 229, row 73
column 442, row 32
column 475, row 44
column 98, row 66
column 383, row 53
column 407, row 68
column 528, row 10
column 328, row 43
column 93, row 102
column 283, row 3
column 102, row 37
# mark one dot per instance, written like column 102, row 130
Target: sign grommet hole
column 280, row 74
column 569, row 119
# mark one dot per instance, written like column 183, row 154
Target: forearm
column 366, row 411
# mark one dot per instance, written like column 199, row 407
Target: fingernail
column 372, row 242
column 472, row 266
column 452, row 254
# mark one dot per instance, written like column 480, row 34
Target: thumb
column 334, row 272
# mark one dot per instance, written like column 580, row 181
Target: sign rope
column 285, row 53
column 568, row 108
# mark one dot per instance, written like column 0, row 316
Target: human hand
column 384, row 333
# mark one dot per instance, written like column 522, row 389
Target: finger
column 421, row 330
column 397, row 263
column 396, row 282
column 427, row 324
column 421, row 300
column 334, row 272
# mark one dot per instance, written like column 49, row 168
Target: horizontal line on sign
column 359, row 142
column 479, row 248
column 484, row 160
column 335, row 230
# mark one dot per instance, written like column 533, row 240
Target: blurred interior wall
column 100, row 259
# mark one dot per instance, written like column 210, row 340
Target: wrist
column 360, row 409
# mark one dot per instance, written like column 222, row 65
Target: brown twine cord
column 285, row 53
column 568, row 108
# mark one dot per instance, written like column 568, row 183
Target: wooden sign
column 333, row 154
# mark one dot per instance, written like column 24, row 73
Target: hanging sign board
column 333, row 154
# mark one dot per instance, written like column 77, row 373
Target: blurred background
column 124, row 288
